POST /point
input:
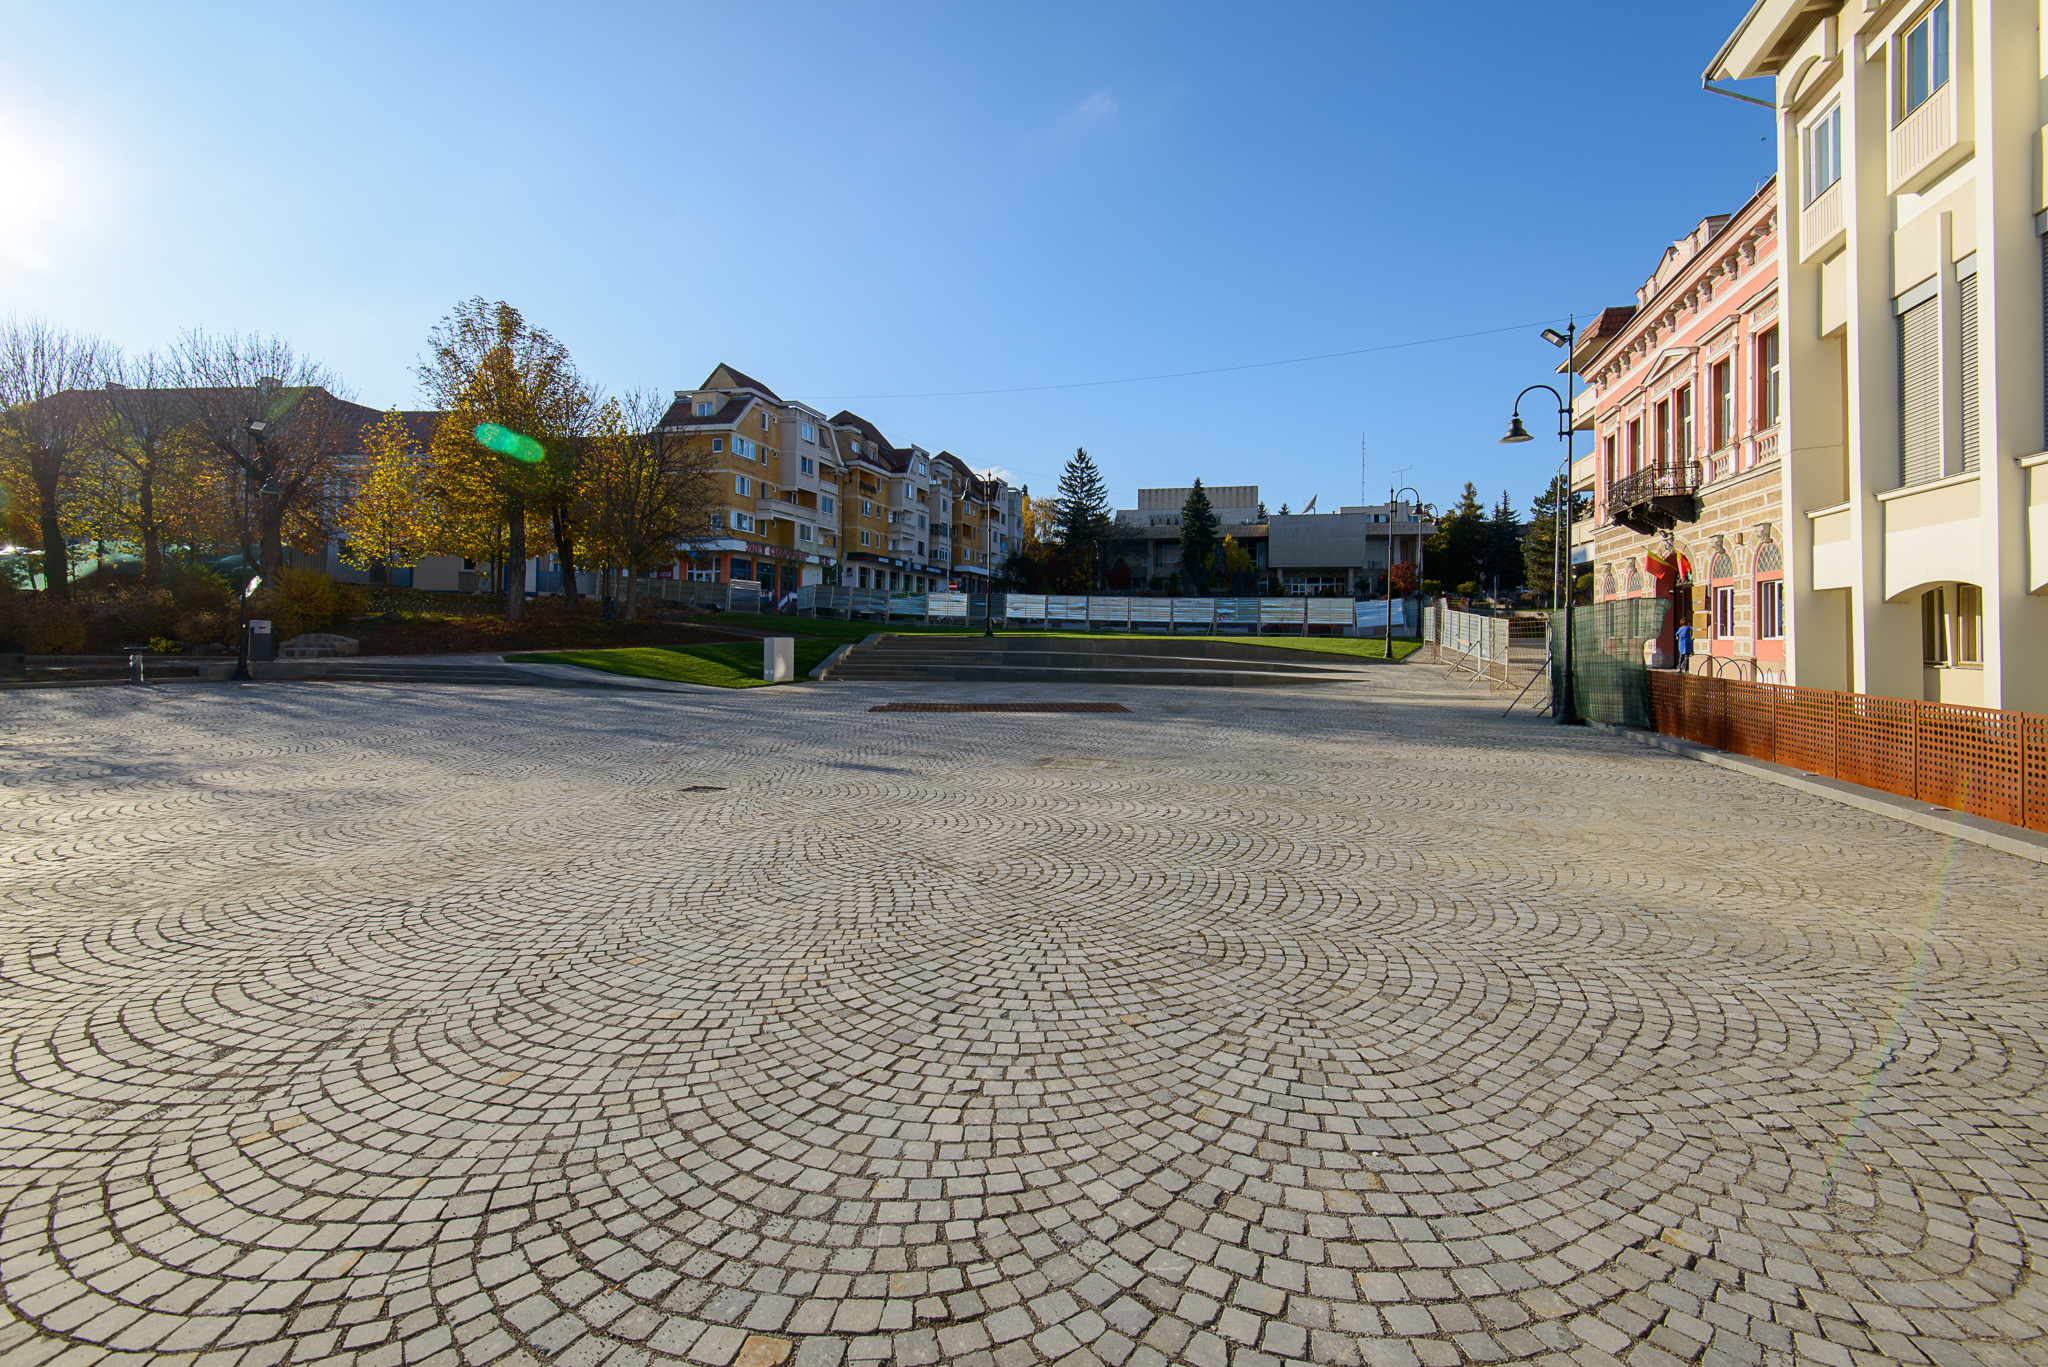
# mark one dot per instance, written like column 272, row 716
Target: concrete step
column 908, row 659
column 975, row 659
column 348, row 671
column 1093, row 674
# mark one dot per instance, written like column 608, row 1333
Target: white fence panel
column 1329, row 612
column 1029, row 606
column 1199, row 612
column 1066, row 608
column 1116, row 610
column 946, row 605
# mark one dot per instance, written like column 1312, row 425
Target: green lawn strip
column 726, row 665
column 835, row 629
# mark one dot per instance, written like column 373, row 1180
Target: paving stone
column 370, row 1027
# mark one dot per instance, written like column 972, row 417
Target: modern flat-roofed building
column 1346, row 553
column 1154, row 528
column 1914, row 479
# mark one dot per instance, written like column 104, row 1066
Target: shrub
column 128, row 616
column 197, row 588
column 305, row 600
column 206, row 629
column 41, row 625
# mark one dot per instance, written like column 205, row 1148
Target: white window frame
column 806, row 465
column 717, row 445
column 1938, row 22
column 703, row 409
column 1824, row 133
column 810, row 433
column 804, row 532
column 743, row 486
column 825, row 503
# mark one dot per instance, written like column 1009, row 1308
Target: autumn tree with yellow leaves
column 392, row 519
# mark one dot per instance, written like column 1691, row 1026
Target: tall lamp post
column 1567, row 708
column 1394, row 512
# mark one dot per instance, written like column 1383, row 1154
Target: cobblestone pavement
column 376, row 1027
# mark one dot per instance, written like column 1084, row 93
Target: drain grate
column 1001, row 707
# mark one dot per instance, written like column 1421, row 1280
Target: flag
column 1662, row 562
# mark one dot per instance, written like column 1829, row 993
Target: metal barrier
column 1981, row 760
column 1083, row 612
column 1469, row 642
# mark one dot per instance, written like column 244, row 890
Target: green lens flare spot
column 506, row 442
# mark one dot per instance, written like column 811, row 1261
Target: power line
column 1184, row 374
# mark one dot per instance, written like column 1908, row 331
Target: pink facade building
column 1685, row 397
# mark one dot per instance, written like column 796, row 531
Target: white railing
column 1468, row 641
column 1923, row 135
column 1820, row 221
column 1763, row 446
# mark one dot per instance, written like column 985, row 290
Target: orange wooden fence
column 1979, row 760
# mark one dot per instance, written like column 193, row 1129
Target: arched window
column 1722, row 566
column 1635, row 575
column 1770, row 591
column 1607, row 581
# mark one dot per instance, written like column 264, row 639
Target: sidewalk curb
column 2017, row 840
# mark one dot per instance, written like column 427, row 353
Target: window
column 923, row 469
column 1924, row 59
column 1934, row 627
column 740, row 569
column 743, row 448
column 703, row 409
column 1635, row 445
column 1770, row 609
column 1723, row 377
column 764, row 422
column 1767, row 380
column 1920, row 392
column 718, row 520
column 1663, row 437
column 743, row 522
column 1823, row 151
column 806, row 465
column 1724, row 611
column 867, row 509
column 1681, row 422
column 743, row 486
column 803, row 532
column 1969, row 624
column 1607, row 462
column 810, row 433
column 717, row 444
column 825, row 504
column 867, row 539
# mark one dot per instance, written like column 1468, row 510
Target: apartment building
column 777, row 467
column 1684, row 397
column 1910, row 141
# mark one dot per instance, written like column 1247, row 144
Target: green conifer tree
column 1197, row 536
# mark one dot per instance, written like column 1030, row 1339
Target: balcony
column 1820, row 223
column 1926, row 141
column 1656, row 500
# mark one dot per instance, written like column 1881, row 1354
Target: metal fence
column 1467, row 641
column 736, row 595
column 1086, row 612
column 1610, row 672
column 1980, row 760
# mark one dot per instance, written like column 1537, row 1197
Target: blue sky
column 889, row 206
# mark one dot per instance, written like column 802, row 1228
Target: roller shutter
column 1920, row 391
column 1972, row 440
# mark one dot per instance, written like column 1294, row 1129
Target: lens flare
column 506, row 442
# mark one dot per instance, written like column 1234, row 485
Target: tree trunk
column 565, row 547
column 272, row 553
column 56, row 557
column 632, row 590
column 515, row 565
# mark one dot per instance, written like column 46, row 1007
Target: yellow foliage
column 394, row 517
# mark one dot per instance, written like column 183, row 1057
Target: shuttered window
column 1920, row 391
column 1972, row 441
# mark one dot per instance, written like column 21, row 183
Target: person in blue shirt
column 1684, row 642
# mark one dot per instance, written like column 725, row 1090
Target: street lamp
column 1393, row 513
column 249, row 585
column 1567, row 705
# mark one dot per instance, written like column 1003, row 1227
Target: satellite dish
column 1310, row 506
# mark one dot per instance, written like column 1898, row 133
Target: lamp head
column 270, row 489
column 1516, row 432
column 1553, row 336
column 257, row 427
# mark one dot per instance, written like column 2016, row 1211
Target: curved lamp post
column 1567, row 709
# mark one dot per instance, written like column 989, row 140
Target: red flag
column 1661, row 563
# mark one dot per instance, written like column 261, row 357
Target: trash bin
column 778, row 659
column 262, row 642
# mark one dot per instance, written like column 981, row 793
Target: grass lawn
column 735, row 664
column 837, row 631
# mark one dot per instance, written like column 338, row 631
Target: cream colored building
column 1910, row 158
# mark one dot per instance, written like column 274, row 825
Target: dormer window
column 1923, row 59
column 703, row 408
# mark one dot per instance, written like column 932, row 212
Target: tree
column 1197, row 537
column 234, row 383
column 1084, row 512
column 1285, row 511
column 486, row 364
column 1540, row 562
column 391, row 519
column 150, row 433
column 645, row 491
column 49, row 418
column 1501, row 561
column 1404, row 577
column 1453, row 554
column 1232, row 565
